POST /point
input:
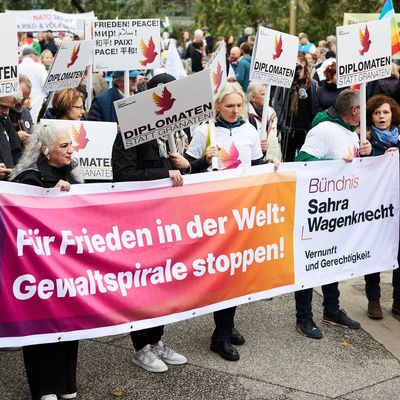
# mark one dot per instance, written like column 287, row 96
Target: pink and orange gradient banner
column 86, row 265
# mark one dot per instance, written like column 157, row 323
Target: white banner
column 340, row 212
column 217, row 67
column 165, row 109
column 126, row 44
column 9, row 57
column 92, row 142
column 274, row 57
column 69, row 65
column 43, row 20
column 364, row 52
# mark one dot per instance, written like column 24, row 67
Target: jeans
column 304, row 299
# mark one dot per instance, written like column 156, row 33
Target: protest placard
column 125, row 44
column 9, row 58
column 363, row 52
column 218, row 69
column 92, row 144
column 274, row 57
column 165, row 109
column 43, row 20
column 69, row 65
column 144, row 254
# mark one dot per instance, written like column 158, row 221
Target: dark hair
column 330, row 72
column 198, row 45
column 376, row 101
column 245, row 48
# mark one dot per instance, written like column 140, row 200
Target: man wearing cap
column 10, row 149
column 102, row 108
column 305, row 45
column 37, row 74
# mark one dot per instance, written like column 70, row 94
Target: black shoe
column 225, row 350
column 237, row 339
column 307, row 327
column 340, row 318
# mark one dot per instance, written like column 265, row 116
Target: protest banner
column 165, row 109
column 92, row 143
column 43, row 20
column 126, row 44
column 69, row 65
column 363, row 52
column 9, row 59
column 105, row 259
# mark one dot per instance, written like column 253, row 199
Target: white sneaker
column 168, row 355
column 68, row 396
column 149, row 360
column 49, row 397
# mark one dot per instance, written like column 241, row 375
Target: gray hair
column 39, row 143
column 346, row 100
column 253, row 89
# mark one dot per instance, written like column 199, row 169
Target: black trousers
column 146, row 336
column 51, row 368
column 224, row 323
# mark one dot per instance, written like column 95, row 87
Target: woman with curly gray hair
column 47, row 162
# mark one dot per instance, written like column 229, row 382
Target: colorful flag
column 388, row 12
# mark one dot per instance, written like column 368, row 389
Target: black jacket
column 139, row 163
column 10, row 148
column 43, row 175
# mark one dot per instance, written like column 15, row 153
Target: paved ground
column 277, row 363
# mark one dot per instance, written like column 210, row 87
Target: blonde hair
column 63, row 100
column 230, row 88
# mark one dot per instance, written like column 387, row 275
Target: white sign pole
column 171, row 143
column 363, row 111
column 264, row 119
column 126, row 84
column 214, row 162
column 89, row 80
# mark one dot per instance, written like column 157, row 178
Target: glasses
column 80, row 107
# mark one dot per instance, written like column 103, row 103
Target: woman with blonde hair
column 46, row 58
column 67, row 104
column 237, row 146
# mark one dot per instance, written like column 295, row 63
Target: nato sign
column 364, row 52
column 274, row 58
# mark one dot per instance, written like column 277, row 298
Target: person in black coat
column 46, row 162
column 148, row 161
column 10, row 148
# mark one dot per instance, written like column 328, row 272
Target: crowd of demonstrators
column 47, row 162
column 312, row 120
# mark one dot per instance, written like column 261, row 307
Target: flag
column 388, row 13
column 174, row 65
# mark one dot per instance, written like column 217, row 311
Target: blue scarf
column 388, row 138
